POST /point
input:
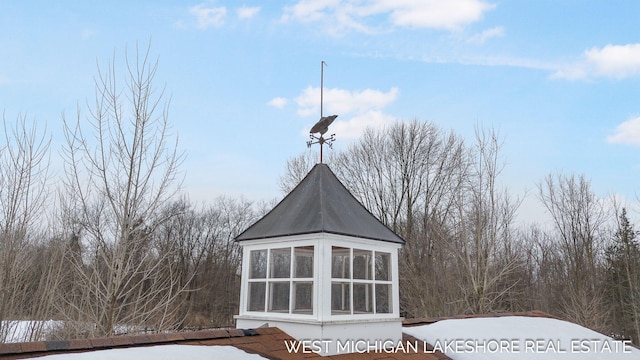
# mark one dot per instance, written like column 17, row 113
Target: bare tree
column 121, row 172
column 202, row 243
column 543, row 266
column 366, row 170
column 296, row 169
column 398, row 172
column 484, row 229
column 23, row 194
column 432, row 167
column 579, row 222
column 226, row 218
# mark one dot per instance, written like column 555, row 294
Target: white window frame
column 372, row 282
column 292, row 280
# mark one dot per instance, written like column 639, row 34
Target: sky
column 558, row 80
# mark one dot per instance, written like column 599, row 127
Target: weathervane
column 322, row 126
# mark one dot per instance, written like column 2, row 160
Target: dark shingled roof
column 320, row 203
column 267, row 342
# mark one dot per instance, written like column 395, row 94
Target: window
column 279, row 296
column 287, row 286
column 257, row 291
column 303, row 290
column 280, row 266
column 362, row 264
column 258, row 266
column 360, row 281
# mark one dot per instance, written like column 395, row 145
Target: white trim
column 321, row 297
column 351, row 320
column 318, row 236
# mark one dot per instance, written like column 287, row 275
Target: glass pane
column 303, row 297
column 340, row 298
column 362, row 264
column 383, row 298
column 362, row 298
column 340, row 263
column 256, row 296
column 258, row 266
column 303, row 267
column 280, row 263
column 383, row 266
column 279, row 296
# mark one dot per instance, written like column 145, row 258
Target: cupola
column 322, row 268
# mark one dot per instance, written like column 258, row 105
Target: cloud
column 354, row 127
column 343, row 15
column 487, row 34
column 208, row 16
column 309, row 10
column 627, row 133
column 246, row 12
column 340, row 101
column 87, row 33
column 436, row 14
column 493, row 60
column 616, row 60
column 278, row 102
column 356, row 110
column 611, row 61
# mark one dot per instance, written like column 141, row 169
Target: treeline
column 109, row 245
column 465, row 251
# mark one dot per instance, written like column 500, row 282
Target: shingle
column 140, row 339
column 269, row 343
column 122, row 340
column 218, row 342
column 10, row 348
column 175, row 336
column 102, row 342
column 57, row 345
column 320, row 203
column 235, row 332
column 283, row 354
column 268, row 331
column 79, row 344
column 431, row 320
column 158, row 338
column 33, row 346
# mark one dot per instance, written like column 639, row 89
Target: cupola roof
column 320, row 203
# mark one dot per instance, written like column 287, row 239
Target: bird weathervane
column 322, row 126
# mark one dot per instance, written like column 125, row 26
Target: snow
column 494, row 338
column 519, row 337
column 22, row 330
column 161, row 352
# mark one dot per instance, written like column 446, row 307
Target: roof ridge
column 321, row 196
column 431, row 320
column 101, row 343
column 365, row 208
column 255, row 223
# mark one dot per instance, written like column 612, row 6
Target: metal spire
column 322, row 64
column 322, row 126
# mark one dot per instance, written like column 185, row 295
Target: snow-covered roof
column 320, row 203
column 505, row 337
column 520, row 337
column 161, row 352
